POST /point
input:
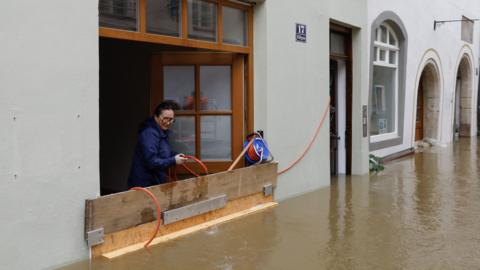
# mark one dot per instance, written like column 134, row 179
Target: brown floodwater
column 422, row 212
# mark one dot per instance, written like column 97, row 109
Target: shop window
column 209, row 91
column 202, row 20
column 191, row 23
column 216, row 137
column 164, row 17
column 234, row 26
column 214, row 101
column 384, row 95
column 207, row 72
column 121, row 14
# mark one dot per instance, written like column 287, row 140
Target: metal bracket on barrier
column 95, row 237
column 268, row 190
column 194, row 209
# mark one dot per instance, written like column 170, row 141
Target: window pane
column 375, row 53
column 383, row 103
column 467, row 30
column 182, row 137
column 121, row 14
column 383, row 34
column 392, row 58
column 337, row 44
column 234, row 26
column 179, row 85
column 383, row 55
column 202, row 20
column 164, row 17
column 215, row 88
column 392, row 40
column 216, row 137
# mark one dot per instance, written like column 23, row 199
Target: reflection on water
column 422, row 212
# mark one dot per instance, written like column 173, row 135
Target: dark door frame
column 347, row 57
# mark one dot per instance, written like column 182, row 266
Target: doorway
column 427, row 118
column 462, row 118
column 340, row 100
column 419, row 119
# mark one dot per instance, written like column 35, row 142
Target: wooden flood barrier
column 124, row 219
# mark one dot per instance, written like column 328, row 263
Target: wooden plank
column 124, row 210
column 196, row 228
column 142, row 233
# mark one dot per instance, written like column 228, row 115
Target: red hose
column 157, row 204
column 199, row 162
column 190, row 170
column 311, row 141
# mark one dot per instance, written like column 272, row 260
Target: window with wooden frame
column 209, row 89
column 208, row 24
column 208, row 127
column 202, row 18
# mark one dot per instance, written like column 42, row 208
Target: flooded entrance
column 422, row 212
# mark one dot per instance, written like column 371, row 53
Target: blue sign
column 301, row 32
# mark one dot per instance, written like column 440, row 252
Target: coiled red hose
column 199, row 162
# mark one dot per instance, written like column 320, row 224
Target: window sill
column 383, row 137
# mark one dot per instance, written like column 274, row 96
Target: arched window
column 384, row 95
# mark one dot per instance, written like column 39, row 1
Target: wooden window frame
column 241, row 52
column 236, row 62
column 183, row 40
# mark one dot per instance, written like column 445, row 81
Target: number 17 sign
column 301, row 32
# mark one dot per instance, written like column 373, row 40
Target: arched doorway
column 462, row 118
column 428, row 104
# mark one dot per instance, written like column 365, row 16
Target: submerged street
column 422, row 212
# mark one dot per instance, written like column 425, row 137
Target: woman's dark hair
column 166, row 105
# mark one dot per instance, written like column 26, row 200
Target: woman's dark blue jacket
column 152, row 156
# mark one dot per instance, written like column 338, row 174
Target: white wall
column 418, row 18
column 49, row 129
column 292, row 86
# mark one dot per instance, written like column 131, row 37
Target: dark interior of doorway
column 124, row 104
column 345, row 55
column 420, row 110
column 334, row 138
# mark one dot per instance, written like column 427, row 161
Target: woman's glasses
column 167, row 120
